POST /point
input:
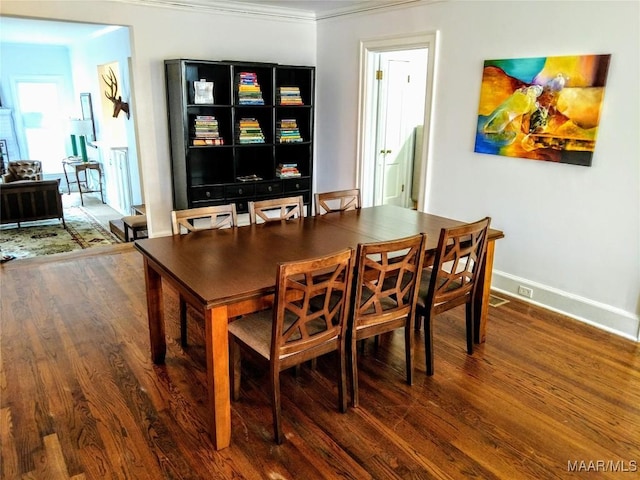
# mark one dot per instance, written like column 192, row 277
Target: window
column 41, row 122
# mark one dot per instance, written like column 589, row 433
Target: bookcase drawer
column 242, row 205
column 296, row 184
column 239, row 190
column 207, row 203
column 207, row 193
column 269, row 188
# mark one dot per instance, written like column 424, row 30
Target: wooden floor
column 80, row 397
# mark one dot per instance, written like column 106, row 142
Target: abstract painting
column 544, row 108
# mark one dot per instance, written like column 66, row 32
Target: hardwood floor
column 80, row 397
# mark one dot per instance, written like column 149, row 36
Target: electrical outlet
column 525, row 291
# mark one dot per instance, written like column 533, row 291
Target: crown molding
column 228, row 7
column 366, row 7
column 244, row 8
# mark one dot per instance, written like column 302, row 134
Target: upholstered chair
column 293, row 332
column 18, row 170
column 453, row 280
column 385, row 291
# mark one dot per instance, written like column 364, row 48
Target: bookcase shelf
column 260, row 115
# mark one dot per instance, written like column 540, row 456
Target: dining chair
column 291, row 332
column 194, row 219
column 453, row 280
column 337, row 201
column 276, row 209
column 385, row 291
column 204, row 218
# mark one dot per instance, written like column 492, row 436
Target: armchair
column 23, row 170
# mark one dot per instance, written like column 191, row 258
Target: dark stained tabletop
column 224, row 266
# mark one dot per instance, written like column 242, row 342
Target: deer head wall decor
column 118, row 104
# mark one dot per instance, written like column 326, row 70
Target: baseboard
column 598, row 314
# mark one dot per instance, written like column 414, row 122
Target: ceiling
column 22, row 30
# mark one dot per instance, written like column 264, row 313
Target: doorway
column 396, row 90
column 41, row 115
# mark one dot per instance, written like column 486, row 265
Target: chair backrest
column 24, row 170
column 387, row 275
column 337, row 201
column 276, row 209
column 458, row 260
column 204, row 218
column 311, row 304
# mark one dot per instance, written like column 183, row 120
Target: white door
column 395, row 132
column 394, row 113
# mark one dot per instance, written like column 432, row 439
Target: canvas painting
column 545, row 108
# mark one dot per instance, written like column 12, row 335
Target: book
column 249, row 178
column 207, row 141
column 203, row 91
column 287, row 131
column 289, row 96
column 287, row 170
column 206, row 127
column 248, row 88
column 249, row 131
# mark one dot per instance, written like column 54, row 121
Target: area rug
column 47, row 237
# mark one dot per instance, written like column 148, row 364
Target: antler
column 118, row 104
column 112, row 83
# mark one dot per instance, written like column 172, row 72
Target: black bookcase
column 211, row 174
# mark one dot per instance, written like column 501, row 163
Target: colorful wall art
column 545, row 108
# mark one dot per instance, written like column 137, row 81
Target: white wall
column 572, row 233
column 160, row 33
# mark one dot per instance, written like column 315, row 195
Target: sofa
column 29, row 200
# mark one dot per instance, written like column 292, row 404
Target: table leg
column 155, row 312
column 483, row 294
column 217, row 353
column 66, row 177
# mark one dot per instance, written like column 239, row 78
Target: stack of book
column 249, row 178
column 287, row 131
column 249, row 89
column 249, row 131
column 205, row 131
column 289, row 96
column 287, row 170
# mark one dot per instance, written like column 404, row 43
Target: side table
column 78, row 166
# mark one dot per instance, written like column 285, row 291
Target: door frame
column 366, row 142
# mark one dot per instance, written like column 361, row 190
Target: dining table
column 231, row 272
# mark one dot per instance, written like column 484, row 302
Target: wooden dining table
column 230, row 272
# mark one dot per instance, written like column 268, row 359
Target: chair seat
column 135, row 221
column 255, row 330
column 134, row 224
column 424, row 288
